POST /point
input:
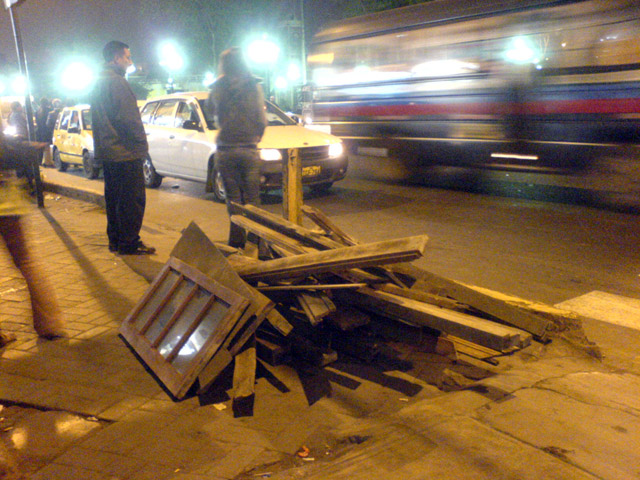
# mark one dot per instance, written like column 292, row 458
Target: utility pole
column 22, row 62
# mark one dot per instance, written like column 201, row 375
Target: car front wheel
column 90, row 170
column 151, row 178
column 57, row 161
column 321, row 187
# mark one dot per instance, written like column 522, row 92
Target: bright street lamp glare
column 281, row 83
column 19, row 85
column 293, row 72
column 209, row 78
column 263, row 51
column 76, row 76
column 170, row 58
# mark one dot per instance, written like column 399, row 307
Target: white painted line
column 606, row 307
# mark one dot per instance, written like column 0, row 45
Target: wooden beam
column 496, row 305
column 422, row 296
column 344, row 258
column 335, row 232
column 292, row 187
column 477, row 330
column 304, row 235
column 270, row 235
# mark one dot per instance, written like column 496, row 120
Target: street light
column 170, row 57
column 265, row 53
column 19, row 85
column 76, row 76
column 172, row 60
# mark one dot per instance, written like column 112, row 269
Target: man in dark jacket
column 120, row 141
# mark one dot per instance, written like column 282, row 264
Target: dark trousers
column 240, row 170
column 125, row 199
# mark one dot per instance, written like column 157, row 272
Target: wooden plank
column 478, row 330
column 344, row 258
column 325, row 286
column 348, row 318
column 316, row 306
column 422, row 296
column 304, row 235
column 494, row 305
column 335, row 232
column 270, row 235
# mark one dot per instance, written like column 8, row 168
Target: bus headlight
column 335, row 150
column 270, row 154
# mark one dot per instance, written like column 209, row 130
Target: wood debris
column 312, row 297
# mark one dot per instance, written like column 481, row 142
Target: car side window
column 164, row 116
column 186, row 112
column 147, row 112
column 64, row 121
column 74, row 122
column 86, row 119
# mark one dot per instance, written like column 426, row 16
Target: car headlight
column 335, row 150
column 270, row 154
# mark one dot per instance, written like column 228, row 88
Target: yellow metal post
column 292, row 187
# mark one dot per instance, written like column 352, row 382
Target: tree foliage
column 361, row 7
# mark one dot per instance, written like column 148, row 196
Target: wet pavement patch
column 32, row 438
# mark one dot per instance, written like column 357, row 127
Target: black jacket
column 118, row 134
column 238, row 104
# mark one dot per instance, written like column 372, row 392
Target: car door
column 73, row 144
column 194, row 147
column 60, row 136
column 161, row 135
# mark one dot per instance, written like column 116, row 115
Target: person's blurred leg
column 47, row 319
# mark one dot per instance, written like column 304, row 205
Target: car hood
column 294, row 136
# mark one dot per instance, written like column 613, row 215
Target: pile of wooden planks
column 297, row 281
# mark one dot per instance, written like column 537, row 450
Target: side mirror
column 191, row 125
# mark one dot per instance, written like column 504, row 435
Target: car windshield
column 275, row 116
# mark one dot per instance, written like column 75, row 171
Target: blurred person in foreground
column 47, row 319
column 121, row 143
column 237, row 101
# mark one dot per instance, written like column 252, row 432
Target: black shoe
column 140, row 249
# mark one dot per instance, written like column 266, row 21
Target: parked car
column 73, row 141
column 182, row 143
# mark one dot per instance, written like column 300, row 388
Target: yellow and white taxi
column 73, row 141
column 182, row 144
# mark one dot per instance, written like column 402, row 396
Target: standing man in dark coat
column 120, row 142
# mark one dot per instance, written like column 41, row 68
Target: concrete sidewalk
column 84, row 408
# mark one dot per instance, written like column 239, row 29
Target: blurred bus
column 529, row 84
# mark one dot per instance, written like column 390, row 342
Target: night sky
column 55, row 30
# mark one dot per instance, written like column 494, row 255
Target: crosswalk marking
column 606, row 307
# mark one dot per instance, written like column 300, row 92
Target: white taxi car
column 182, row 144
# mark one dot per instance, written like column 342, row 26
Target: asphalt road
column 525, row 236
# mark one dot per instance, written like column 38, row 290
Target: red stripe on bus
column 594, row 106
